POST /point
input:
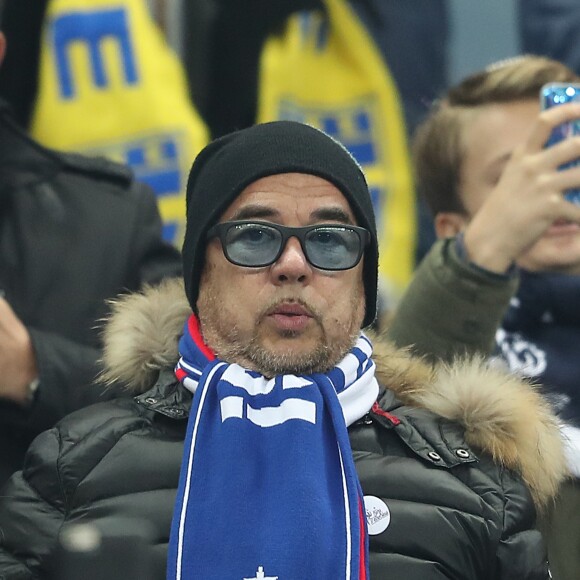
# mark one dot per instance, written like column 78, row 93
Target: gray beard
column 254, row 356
column 226, row 342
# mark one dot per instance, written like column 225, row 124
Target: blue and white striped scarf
column 268, row 487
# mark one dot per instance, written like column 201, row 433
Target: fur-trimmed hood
column 502, row 415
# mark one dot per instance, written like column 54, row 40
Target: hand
column 528, row 198
column 17, row 359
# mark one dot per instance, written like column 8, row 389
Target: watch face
column 32, row 388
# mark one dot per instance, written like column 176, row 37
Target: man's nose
column 292, row 264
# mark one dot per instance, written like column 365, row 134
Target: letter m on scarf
column 110, row 85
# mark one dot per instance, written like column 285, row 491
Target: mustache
column 272, row 306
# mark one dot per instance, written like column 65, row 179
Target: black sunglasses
column 255, row 244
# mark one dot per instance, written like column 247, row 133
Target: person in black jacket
column 74, row 232
column 264, row 428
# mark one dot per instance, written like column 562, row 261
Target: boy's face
column 488, row 141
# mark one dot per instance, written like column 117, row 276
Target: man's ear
column 449, row 224
column 2, row 46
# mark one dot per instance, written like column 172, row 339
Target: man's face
column 288, row 317
column 489, row 139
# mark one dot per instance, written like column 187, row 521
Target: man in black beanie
column 233, row 162
column 269, row 436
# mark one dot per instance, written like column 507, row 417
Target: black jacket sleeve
column 68, row 368
column 151, row 258
column 22, row 23
column 32, row 511
column 222, row 55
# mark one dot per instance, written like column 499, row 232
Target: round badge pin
column 378, row 515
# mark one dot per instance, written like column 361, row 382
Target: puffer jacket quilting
column 454, row 513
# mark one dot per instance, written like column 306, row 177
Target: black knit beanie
column 229, row 164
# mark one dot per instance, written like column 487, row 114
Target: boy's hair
column 438, row 146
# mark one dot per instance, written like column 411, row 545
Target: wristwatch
column 32, row 388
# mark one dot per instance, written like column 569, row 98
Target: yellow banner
column 325, row 70
column 110, row 85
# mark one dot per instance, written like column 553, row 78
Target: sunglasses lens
column 333, row 248
column 255, row 245
column 252, row 244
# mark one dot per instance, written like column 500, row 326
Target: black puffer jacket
column 74, row 232
column 454, row 514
